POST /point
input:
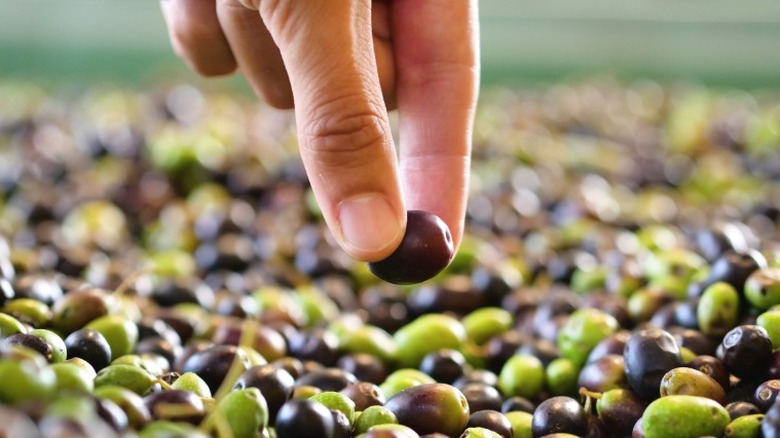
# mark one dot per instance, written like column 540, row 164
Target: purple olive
column 425, row 250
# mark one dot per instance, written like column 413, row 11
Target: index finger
column 436, row 45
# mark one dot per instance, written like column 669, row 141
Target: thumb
column 343, row 130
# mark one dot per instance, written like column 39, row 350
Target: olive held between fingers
column 425, row 250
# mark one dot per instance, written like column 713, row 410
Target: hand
column 342, row 64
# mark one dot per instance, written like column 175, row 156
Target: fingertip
column 197, row 38
column 370, row 228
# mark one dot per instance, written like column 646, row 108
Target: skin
column 342, row 65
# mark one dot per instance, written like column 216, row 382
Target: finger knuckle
column 344, row 139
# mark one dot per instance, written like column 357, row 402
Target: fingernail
column 368, row 223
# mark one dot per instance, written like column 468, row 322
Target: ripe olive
column 425, row 250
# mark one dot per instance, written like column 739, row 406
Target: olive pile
column 164, row 272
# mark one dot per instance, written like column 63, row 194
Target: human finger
column 343, row 131
column 196, row 36
column 255, row 52
column 436, row 46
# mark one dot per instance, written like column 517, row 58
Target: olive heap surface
column 165, row 271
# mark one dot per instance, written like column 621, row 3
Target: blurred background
column 718, row 42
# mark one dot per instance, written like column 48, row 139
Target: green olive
column 29, row 311
column 522, row 375
column 718, row 309
column 26, row 380
column 582, row 331
column 121, row 333
column 762, row 287
column 684, row 416
column 770, row 320
column 372, row 416
column 10, row 326
column 479, row 432
column 521, row 423
column 190, row 381
column 245, row 411
column 369, row 339
column 689, row 381
column 746, row 426
column 487, row 322
column 403, row 378
column 562, row 376
column 59, row 352
column 336, row 401
column 138, row 414
column 163, row 428
column 72, row 377
column 425, row 334
column 131, row 377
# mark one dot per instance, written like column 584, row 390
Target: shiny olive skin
column 745, row 350
column 212, row 364
column 619, row 409
column 648, row 355
column 684, row 416
column 770, row 425
column 276, row 385
column 560, row 414
column 741, row 408
column 688, row 381
column 431, row 407
column 481, row 396
column 734, row 267
column 425, row 250
column 29, row 341
column 365, row 395
column 89, row 345
column 491, row 420
column 304, row 418
column 713, row 367
column 603, row 374
column 766, row 394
